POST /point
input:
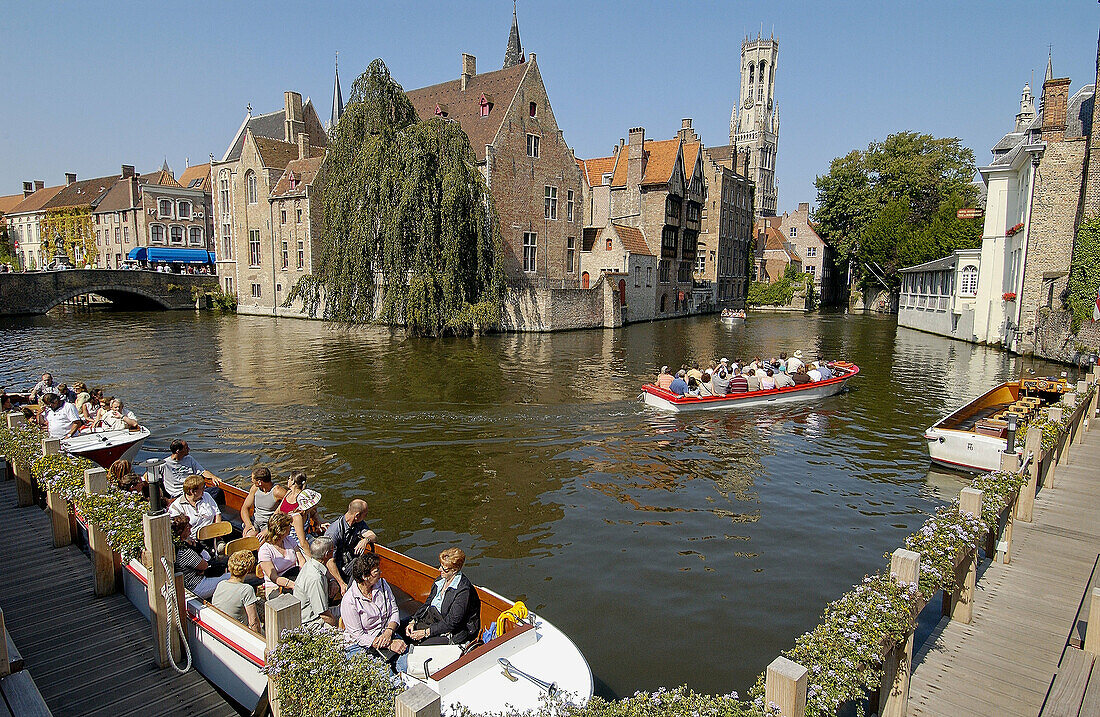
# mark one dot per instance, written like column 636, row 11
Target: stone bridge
column 36, row 292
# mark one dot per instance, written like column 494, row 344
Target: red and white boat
column 668, row 401
column 105, row 447
column 231, row 656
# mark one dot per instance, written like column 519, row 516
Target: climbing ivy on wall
column 74, row 227
column 1084, row 272
column 404, row 209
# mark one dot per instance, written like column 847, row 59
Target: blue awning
column 174, row 255
column 136, row 254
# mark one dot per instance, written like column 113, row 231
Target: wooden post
column 6, row 468
column 1090, row 412
column 58, row 507
column 103, row 558
column 24, row 489
column 962, row 601
column 1025, row 503
column 893, row 695
column 1054, row 414
column 417, row 701
column 158, row 544
column 785, row 686
column 5, row 660
column 1010, row 463
column 281, row 613
column 1092, row 631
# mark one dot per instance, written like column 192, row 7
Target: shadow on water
column 621, row 524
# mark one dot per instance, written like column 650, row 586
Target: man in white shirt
column 794, row 363
column 813, row 373
column 117, row 417
column 311, row 586
column 196, row 504
column 178, row 466
column 42, row 387
column 62, row 419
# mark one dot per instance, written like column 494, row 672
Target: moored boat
column 668, row 401
column 105, row 447
column 973, row 437
column 231, row 655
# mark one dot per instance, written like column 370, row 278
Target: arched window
column 250, row 185
column 968, row 280
column 664, row 303
column 223, row 191
column 585, row 280
column 762, row 64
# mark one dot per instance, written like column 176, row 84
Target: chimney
column 1055, row 99
column 127, row 171
column 469, row 69
column 28, row 189
column 686, row 133
column 635, row 156
column 804, row 207
column 303, row 145
column 39, row 184
column 292, row 116
column 70, row 178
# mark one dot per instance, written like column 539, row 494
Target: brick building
column 24, row 223
column 621, row 255
column 774, row 252
column 296, row 220
column 816, row 257
column 248, row 254
column 725, row 244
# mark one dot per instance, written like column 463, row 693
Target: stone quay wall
column 36, row 292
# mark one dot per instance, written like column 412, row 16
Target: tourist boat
column 106, row 447
column 973, row 437
column 668, row 401
column 731, row 317
column 231, row 656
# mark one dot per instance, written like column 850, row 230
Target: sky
column 94, row 85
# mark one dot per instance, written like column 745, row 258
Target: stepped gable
column 449, row 100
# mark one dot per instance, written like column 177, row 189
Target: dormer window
column 441, row 110
column 486, row 103
column 293, row 181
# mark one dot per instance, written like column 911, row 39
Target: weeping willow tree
column 408, row 234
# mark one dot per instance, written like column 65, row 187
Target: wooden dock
column 88, row 655
column 1002, row 664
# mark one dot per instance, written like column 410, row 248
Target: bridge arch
column 119, row 295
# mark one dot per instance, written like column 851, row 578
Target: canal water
column 671, row 548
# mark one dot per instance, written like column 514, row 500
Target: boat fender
column 168, row 591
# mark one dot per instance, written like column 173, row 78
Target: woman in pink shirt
column 369, row 611
column 278, row 556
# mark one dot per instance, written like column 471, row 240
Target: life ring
column 1042, row 385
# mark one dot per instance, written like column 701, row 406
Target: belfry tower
column 754, row 122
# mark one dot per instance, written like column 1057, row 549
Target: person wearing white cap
column 795, row 362
column 664, row 378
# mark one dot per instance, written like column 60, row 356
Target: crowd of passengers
column 330, row 567
column 724, row 378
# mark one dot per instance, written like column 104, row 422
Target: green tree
column 408, row 235
column 1084, row 273
column 894, row 204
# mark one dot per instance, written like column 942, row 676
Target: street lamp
column 154, row 479
column 1010, row 444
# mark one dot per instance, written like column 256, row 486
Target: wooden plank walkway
column 88, row 655
column 1003, row 662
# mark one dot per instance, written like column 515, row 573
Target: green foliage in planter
column 1048, row 427
column 1084, row 273
column 62, row 473
column 778, row 293
column 21, row 444
column 844, row 653
column 997, row 487
column 317, row 677
column 118, row 515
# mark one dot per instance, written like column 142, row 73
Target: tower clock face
column 748, row 102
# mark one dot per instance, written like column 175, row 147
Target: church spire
column 1050, row 69
column 514, row 54
column 337, row 97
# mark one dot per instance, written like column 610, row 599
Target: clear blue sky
column 93, row 85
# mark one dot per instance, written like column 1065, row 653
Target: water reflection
column 530, row 451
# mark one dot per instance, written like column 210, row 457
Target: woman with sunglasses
column 452, row 613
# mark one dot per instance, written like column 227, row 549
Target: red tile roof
column 691, row 155
column 594, row 169
column 161, row 177
column 197, row 171
column 120, row 197
column 276, row 154
column 777, row 242
column 82, row 192
column 6, row 203
column 36, row 201
column 304, row 171
column 500, row 87
column 633, row 240
column 658, row 164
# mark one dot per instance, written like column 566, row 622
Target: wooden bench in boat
column 1075, row 691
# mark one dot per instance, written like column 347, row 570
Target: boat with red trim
column 107, row 446
column 666, row 400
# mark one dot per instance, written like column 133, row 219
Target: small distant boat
column 729, row 316
column 106, row 447
column 668, row 401
column 973, row 437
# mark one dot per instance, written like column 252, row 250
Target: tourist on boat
column 351, row 537
column 800, row 377
column 694, row 372
column 720, row 381
column 300, row 503
column 193, row 560
column 782, row 380
column 794, row 363
column 664, row 378
column 121, row 474
column 42, row 388
column 679, row 385
column 311, row 585
column 692, row 387
column 454, row 617
column 178, row 465
column 196, row 504
column 236, row 598
column 738, row 384
column 117, row 418
column 62, row 420
column 824, row 370
column 369, row 611
column 767, row 382
column 90, row 409
column 706, row 386
column 261, row 502
column 752, row 378
column 278, row 556
column 82, row 395
column 814, row 373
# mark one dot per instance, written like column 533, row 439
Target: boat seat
column 251, row 543
column 215, row 530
